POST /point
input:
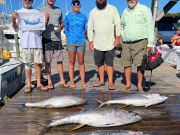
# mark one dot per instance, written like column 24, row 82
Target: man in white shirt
column 104, row 35
column 30, row 42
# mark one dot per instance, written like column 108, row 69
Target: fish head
column 155, row 99
column 134, row 117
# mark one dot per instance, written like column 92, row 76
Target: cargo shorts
column 132, row 53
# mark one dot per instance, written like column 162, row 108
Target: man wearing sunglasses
column 104, row 35
column 51, row 39
column 138, row 38
column 30, row 42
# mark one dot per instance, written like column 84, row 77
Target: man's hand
column 91, row 45
column 14, row 16
column 117, row 41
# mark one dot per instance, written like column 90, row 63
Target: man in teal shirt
column 137, row 32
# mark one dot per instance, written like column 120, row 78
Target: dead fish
column 96, row 118
column 58, row 102
column 112, row 132
column 145, row 100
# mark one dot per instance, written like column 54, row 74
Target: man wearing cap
column 137, row 33
column 51, row 40
column 104, row 35
column 30, row 42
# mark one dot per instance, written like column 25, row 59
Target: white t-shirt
column 30, row 39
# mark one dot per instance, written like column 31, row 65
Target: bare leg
column 72, row 58
column 61, row 74
column 80, row 56
column 38, row 74
column 101, row 74
column 28, row 73
column 140, row 76
column 110, row 71
column 48, row 71
column 127, row 72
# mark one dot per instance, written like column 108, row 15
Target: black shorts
column 103, row 57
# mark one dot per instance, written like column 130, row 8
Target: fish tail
column 45, row 129
column 100, row 102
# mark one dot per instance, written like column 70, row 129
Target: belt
column 133, row 42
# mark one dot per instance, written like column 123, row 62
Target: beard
column 101, row 5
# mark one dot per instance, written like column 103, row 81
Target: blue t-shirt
column 75, row 26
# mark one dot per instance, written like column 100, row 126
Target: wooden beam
column 166, row 8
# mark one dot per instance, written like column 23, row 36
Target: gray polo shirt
column 55, row 18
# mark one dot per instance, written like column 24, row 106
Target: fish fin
column 45, row 129
column 147, row 105
column 100, row 102
column 77, row 127
column 124, row 106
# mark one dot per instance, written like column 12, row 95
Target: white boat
column 11, row 77
column 11, row 71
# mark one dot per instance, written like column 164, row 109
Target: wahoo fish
column 145, row 100
column 96, row 118
column 58, row 102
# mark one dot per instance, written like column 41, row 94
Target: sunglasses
column 76, row 4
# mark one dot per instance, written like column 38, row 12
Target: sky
column 86, row 5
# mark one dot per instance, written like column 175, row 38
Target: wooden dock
column 163, row 119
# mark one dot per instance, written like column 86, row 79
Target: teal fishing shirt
column 75, row 26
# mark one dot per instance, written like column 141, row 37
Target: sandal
column 28, row 90
column 64, row 85
column 99, row 84
column 50, row 87
column 111, row 87
column 128, row 88
column 43, row 88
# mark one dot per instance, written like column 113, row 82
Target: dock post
column 17, row 45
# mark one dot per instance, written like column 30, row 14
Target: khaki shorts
column 32, row 55
column 133, row 53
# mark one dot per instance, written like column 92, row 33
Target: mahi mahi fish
column 96, row 118
column 145, row 100
column 58, row 102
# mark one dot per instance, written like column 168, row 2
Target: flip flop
column 111, row 88
column 64, row 85
column 43, row 88
column 51, row 87
column 99, row 85
column 128, row 88
column 28, row 90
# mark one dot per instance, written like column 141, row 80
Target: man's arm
column 117, row 27
column 14, row 17
column 90, row 32
column 150, row 28
column 61, row 24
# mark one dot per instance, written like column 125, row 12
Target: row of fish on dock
column 98, row 117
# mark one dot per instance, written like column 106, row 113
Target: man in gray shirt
column 104, row 35
column 51, row 39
